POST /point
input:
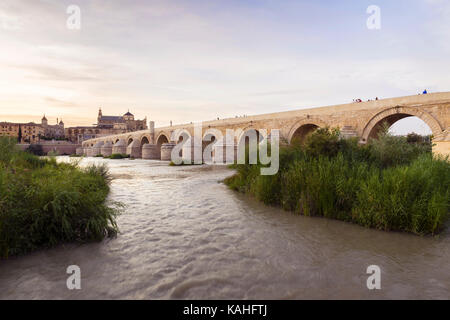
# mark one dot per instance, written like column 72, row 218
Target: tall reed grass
column 44, row 203
column 389, row 184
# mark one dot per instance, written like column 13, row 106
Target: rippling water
column 184, row 235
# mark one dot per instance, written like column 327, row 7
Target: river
column 185, row 235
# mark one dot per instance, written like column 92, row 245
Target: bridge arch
column 303, row 127
column 162, row 138
column 248, row 142
column 180, row 135
column 162, row 135
column 144, row 139
column 392, row 115
column 129, row 140
column 212, row 133
column 248, row 132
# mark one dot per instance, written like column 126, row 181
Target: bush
column 323, row 142
column 118, row 156
column 44, row 203
column 388, row 150
column 389, row 184
column 35, row 149
column 52, row 153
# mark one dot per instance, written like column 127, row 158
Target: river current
column 185, row 235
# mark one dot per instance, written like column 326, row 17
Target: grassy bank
column 394, row 183
column 44, row 203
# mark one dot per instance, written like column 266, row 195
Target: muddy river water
column 185, row 235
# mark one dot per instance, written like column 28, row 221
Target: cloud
column 60, row 103
column 59, row 74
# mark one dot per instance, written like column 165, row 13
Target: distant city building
column 106, row 125
column 33, row 132
column 55, row 131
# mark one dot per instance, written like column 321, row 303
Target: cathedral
column 106, row 125
column 125, row 122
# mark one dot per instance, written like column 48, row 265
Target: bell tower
column 99, row 118
column 44, row 121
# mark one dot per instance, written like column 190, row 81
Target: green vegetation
column 44, row 203
column 117, row 156
column 35, row 149
column 393, row 183
column 52, row 153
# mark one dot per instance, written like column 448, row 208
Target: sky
column 194, row 60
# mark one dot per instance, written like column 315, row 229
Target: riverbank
column 394, row 183
column 44, row 203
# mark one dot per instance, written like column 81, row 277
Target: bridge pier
column 442, row 148
column 441, row 144
column 151, row 152
column 120, row 147
column 224, row 152
column 89, row 152
column 134, row 149
column 79, row 151
column 192, row 153
column 106, row 149
column 96, row 149
column 166, row 151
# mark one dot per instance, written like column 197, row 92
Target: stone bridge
column 362, row 120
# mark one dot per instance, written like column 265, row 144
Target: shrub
column 118, row 156
column 44, row 203
column 323, row 142
column 52, row 153
column 35, row 149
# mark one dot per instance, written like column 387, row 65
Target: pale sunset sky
column 193, row 60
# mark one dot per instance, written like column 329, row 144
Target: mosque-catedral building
column 106, row 125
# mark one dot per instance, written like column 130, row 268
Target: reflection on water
column 185, row 235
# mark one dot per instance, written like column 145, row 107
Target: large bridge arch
column 392, row 115
column 303, row 127
column 163, row 136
